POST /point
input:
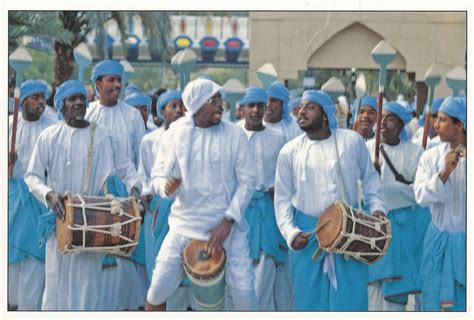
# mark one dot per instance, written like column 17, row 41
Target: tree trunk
column 63, row 63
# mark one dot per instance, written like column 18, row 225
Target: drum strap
column 89, row 159
column 398, row 176
column 339, row 171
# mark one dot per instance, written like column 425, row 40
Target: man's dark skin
column 451, row 130
column 253, row 115
column 172, row 112
column 274, row 111
column 209, row 115
column 390, row 128
column 74, row 112
column 366, row 121
column 33, row 107
column 313, row 120
column 109, row 87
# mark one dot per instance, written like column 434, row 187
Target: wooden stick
column 14, row 125
column 379, row 124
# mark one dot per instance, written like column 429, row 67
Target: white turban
column 197, row 92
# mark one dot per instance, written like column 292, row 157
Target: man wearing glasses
column 206, row 165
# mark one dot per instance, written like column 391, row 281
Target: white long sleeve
column 62, row 151
column 27, row 133
column 307, row 177
column 148, row 155
column 447, row 201
column 404, row 157
column 265, row 146
column 123, row 121
column 217, row 181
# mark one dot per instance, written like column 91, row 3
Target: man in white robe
column 206, row 164
column 73, row 280
column 277, row 114
column 126, row 124
column 26, row 258
column 396, row 275
column 313, row 171
column 170, row 107
column 268, row 249
column 441, row 184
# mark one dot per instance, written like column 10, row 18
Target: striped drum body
column 206, row 274
column 99, row 224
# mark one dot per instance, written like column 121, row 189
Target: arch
column 353, row 43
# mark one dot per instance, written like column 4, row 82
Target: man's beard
column 316, row 126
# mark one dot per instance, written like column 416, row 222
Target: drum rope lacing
column 115, row 229
column 353, row 236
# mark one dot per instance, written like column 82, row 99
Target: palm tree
column 69, row 28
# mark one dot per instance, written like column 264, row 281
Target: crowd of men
column 255, row 189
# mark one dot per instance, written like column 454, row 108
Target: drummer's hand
column 218, row 236
column 55, row 202
column 379, row 214
column 300, row 241
column 172, row 185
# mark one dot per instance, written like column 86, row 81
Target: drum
column 345, row 230
column 206, row 275
column 99, row 224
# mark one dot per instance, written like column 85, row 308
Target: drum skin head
column 62, row 231
column 329, row 226
column 198, row 263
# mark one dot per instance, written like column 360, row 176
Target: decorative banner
column 209, row 43
column 209, row 46
column 233, row 44
column 182, row 41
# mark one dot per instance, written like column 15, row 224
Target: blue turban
column 279, row 91
column 131, row 88
column 434, row 108
column 67, row 89
column 166, row 97
column 30, row 87
column 254, row 95
column 106, row 67
column 136, row 99
column 324, row 100
column 456, row 108
column 369, row 101
column 401, row 112
column 295, row 102
column 398, row 110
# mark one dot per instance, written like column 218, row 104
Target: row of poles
column 184, row 62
